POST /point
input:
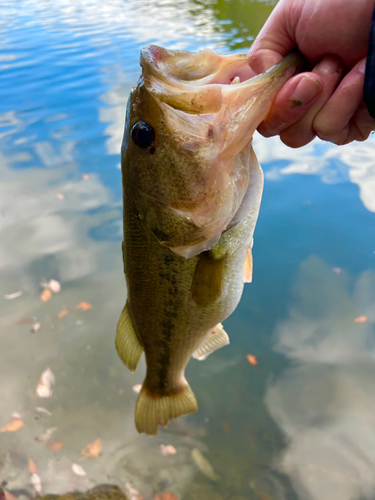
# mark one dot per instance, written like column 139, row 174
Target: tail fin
column 152, row 410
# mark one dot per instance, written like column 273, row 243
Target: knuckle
column 325, row 128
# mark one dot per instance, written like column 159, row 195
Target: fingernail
column 330, row 65
column 362, row 67
column 306, row 90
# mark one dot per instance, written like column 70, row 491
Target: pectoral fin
column 248, row 268
column 127, row 344
column 217, row 338
column 208, row 279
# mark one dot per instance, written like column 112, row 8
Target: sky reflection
column 333, row 164
column 324, row 402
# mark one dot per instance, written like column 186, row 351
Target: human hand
column 328, row 100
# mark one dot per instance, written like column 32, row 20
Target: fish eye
column 143, row 134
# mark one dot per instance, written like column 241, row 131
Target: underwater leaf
column 24, row 321
column 7, row 495
column 52, row 285
column 40, row 409
column 36, row 482
column 132, row 492
column 45, row 384
column 93, row 449
column 77, row 469
column 32, row 467
column 361, row 319
column 84, row 306
column 252, row 359
column 46, row 295
column 46, row 436
column 15, row 425
column 36, row 327
column 203, row 464
column 56, row 446
column 14, row 295
column 168, row 449
column 62, row 314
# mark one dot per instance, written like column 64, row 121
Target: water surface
column 300, row 424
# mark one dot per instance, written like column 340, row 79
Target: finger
column 330, row 69
column 292, row 103
column 361, row 125
column 274, row 40
column 343, row 118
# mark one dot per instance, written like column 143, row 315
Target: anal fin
column 127, row 344
column 248, row 268
column 217, row 338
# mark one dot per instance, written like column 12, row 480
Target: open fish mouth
column 204, row 109
column 174, row 77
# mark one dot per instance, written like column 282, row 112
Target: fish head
column 187, row 143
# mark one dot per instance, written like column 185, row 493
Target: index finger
column 274, row 41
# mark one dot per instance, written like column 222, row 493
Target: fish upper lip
column 153, row 64
column 202, row 90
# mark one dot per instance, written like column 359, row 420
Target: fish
column 192, row 188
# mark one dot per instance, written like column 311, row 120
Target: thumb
column 275, row 40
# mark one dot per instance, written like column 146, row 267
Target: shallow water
column 298, row 425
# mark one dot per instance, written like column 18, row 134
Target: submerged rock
column 100, row 492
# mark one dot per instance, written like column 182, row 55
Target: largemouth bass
column 192, row 189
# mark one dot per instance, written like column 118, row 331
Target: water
column 300, row 424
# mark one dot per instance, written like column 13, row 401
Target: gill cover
column 191, row 179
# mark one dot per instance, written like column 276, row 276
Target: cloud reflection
column 353, row 162
column 325, row 403
column 40, row 222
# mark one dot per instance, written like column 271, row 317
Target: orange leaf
column 7, row 495
column 157, row 497
column 84, row 306
column 46, row 295
column 168, row 496
column 62, row 313
column 169, row 449
column 15, row 425
column 24, row 321
column 252, row 359
column 32, row 467
column 92, row 449
column 361, row 319
column 56, row 446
